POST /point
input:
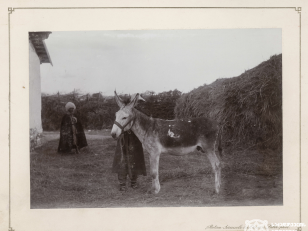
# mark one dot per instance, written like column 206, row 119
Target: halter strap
column 122, row 127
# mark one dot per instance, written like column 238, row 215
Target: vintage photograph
column 155, row 118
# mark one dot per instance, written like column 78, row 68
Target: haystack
column 248, row 107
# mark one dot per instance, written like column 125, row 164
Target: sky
column 152, row 60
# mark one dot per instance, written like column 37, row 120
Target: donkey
column 176, row 137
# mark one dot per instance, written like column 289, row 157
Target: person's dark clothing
column 122, row 176
column 71, row 134
column 133, row 158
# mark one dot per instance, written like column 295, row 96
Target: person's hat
column 70, row 105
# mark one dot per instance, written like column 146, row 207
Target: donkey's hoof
column 217, row 189
column 156, row 190
column 217, row 192
column 153, row 191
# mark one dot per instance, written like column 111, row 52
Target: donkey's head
column 125, row 117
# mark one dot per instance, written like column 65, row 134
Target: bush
column 99, row 112
column 93, row 113
column 160, row 105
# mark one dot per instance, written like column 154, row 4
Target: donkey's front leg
column 154, row 165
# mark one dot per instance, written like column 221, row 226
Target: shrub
column 99, row 113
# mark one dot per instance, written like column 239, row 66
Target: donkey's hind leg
column 216, row 166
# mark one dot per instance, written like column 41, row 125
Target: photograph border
column 12, row 9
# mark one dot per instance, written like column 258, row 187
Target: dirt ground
column 85, row 180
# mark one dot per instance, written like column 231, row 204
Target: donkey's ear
column 118, row 100
column 134, row 100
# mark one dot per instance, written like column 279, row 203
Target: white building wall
column 35, row 91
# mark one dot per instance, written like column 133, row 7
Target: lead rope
column 121, row 147
column 127, row 156
column 123, row 143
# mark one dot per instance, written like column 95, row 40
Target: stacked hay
column 248, row 107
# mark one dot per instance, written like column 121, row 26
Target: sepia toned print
column 207, row 94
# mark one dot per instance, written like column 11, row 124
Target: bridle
column 127, row 123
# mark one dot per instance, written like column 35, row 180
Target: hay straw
column 249, row 107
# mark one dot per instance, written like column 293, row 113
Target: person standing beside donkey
column 129, row 158
column 71, row 132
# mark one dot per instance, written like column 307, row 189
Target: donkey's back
column 180, row 137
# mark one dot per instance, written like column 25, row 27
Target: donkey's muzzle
column 114, row 136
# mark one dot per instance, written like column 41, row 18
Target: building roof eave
column 47, row 53
column 37, row 39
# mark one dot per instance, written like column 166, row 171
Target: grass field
column 85, row 180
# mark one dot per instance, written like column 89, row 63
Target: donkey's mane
column 143, row 113
column 143, row 119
